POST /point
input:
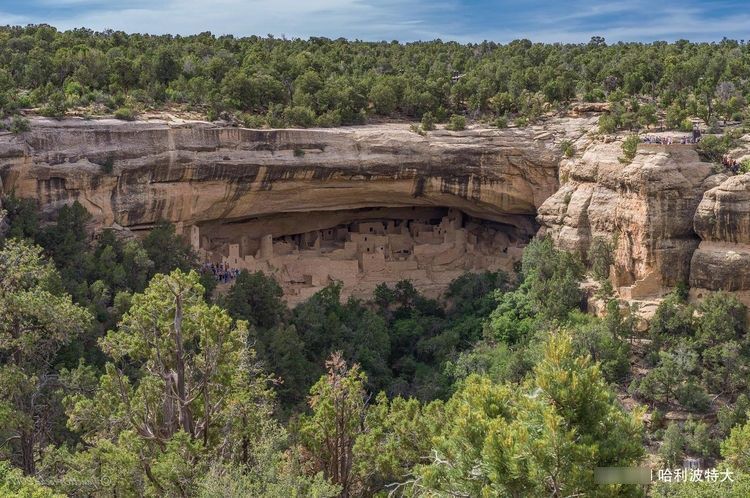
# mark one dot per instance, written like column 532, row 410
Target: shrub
column 567, row 148
column 693, row 397
column 674, row 116
column 329, row 119
column 730, row 416
column 107, row 165
column 711, row 148
column 299, row 152
column 686, row 125
column 607, row 123
column 611, row 353
column 456, row 123
column 501, row 122
column 714, row 127
column 600, row 258
column 55, row 107
column 657, row 419
column 19, row 124
column 253, row 121
column 595, row 95
column 125, row 114
column 299, row 116
column 673, row 448
column 428, row 121
column 212, row 115
column 745, row 166
column 629, row 148
column 417, row 129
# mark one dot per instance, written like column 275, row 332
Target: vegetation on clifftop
column 278, row 82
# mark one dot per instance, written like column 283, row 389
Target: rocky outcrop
column 304, row 196
column 722, row 220
column 644, row 208
column 294, row 202
column 134, row 174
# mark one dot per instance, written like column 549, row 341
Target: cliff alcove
column 363, row 247
column 298, row 203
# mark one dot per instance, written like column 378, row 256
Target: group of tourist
column 730, row 164
column 222, row 272
column 670, row 140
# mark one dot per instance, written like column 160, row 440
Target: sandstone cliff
column 722, row 220
column 306, row 196
column 136, row 173
column 361, row 205
column 644, row 208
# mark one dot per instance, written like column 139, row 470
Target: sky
column 404, row 20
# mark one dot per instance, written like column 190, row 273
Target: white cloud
column 350, row 18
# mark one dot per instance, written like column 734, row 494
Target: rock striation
column 134, row 174
column 237, row 187
column 371, row 204
column 722, row 221
column 644, row 209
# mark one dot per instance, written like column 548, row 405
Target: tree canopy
column 293, row 82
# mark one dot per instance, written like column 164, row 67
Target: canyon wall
column 134, row 174
column 300, row 203
column 237, row 190
column 643, row 208
column 722, row 220
column 668, row 216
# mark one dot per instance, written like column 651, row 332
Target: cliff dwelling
column 361, row 248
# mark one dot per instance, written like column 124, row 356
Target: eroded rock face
column 279, row 184
column 644, row 208
column 722, row 220
column 134, row 174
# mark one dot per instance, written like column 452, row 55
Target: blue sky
column 405, row 20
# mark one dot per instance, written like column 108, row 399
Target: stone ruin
column 361, row 248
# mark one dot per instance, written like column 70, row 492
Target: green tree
column 647, row 115
column 36, row 321
column 721, row 338
column 168, row 250
column 14, row 483
column 384, row 97
column 600, row 257
column 339, row 405
column 256, row 298
column 544, row 440
column 551, row 278
column 428, row 121
column 736, row 448
column 630, row 148
column 195, row 397
column 397, row 437
column 607, row 124
column 672, row 449
column 456, row 123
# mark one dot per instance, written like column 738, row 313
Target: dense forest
column 275, row 82
column 126, row 372
column 123, row 374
